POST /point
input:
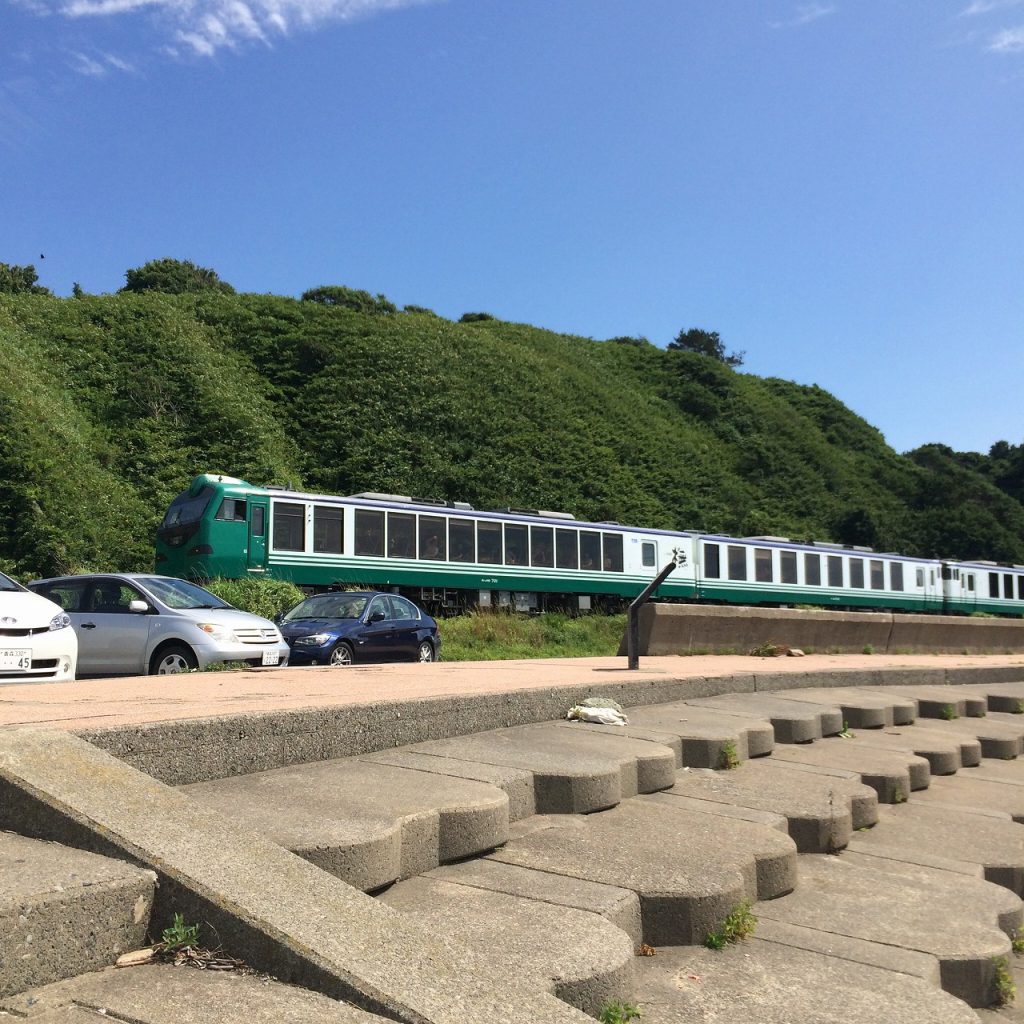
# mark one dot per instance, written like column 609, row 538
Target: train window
column 327, row 529
column 947, row 572
column 401, row 535
column 712, row 562
column 612, row 552
column 567, row 549
column 895, row 576
column 461, row 537
column 787, row 563
column 835, row 571
column 763, row 565
column 812, row 570
column 289, row 526
column 993, row 584
column 857, row 572
column 1007, row 585
column 258, row 522
column 877, row 574
column 920, row 577
column 515, row 544
column 433, row 540
column 542, row 540
column 970, row 581
column 488, row 538
column 590, row 549
column 649, row 555
column 737, row 562
column 1020, row 588
column 232, row 510
column 369, row 532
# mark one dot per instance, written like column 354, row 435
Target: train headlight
column 314, row 640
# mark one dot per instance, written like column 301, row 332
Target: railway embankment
column 468, row 855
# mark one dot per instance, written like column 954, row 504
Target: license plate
column 18, row 657
column 271, row 657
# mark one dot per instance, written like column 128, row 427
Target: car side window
column 68, row 595
column 407, row 610
column 109, row 597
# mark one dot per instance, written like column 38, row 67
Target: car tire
column 340, row 656
column 425, row 653
column 172, row 659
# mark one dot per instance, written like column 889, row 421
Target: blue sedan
column 342, row 627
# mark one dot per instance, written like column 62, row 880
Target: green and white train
column 449, row 556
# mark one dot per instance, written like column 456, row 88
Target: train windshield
column 187, row 508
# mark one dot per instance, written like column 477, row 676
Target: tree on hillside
column 706, row 343
column 174, row 277
column 473, row 318
column 20, row 280
column 350, row 298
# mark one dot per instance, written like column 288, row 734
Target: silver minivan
column 138, row 624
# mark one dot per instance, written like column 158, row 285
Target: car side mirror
column 279, row 618
column 376, row 617
column 138, row 607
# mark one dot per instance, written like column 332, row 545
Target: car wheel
column 341, row 655
column 173, row 659
column 426, row 651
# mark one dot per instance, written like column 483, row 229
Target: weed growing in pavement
column 1006, row 991
column 949, row 712
column 868, row 649
column 738, row 925
column 179, row 935
column 1019, row 709
column 845, row 733
column 1017, row 942
column 618, row 1013
column 727, row 756
column 898, row 796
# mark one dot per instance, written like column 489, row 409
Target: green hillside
column 110, row 404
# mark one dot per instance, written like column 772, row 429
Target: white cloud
column 1009, row 40
column 805, row 14
column 986, row 6
column 206, row 26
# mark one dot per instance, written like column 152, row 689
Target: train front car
column 207, row 531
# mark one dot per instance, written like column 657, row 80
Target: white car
column 36, row 638
column 137, row 624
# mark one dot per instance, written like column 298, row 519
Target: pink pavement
column 109, row 703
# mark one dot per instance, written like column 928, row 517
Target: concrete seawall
column 700, row 629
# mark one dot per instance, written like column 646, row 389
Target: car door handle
column 88, row 625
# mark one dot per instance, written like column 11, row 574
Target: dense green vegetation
column 110, row 404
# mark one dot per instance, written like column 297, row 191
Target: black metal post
column 633, row 627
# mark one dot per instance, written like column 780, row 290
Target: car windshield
column 6, row 583
column 180, row 593
column 329, row 606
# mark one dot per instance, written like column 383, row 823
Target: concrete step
column 943, row 836
column 868, row 708
column 689, row 869
column 956, row 923
column 575, row 770
column 369, row 824
column 945, row 702
column 165, row 994
column 892, row 774
column 580, row 956
column 64, row 911
column 1000, row 737
column 821, row 811
column 968, row 792
column 765, row 982
column 1005, row 697
column 709, row 737
column 794, row 721
column 944, row 753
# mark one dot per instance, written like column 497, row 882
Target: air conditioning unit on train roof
column 405, row 499
column 826, row 544
column 509, row 510
column 777, row 540
column 984, row 561
column 859, row 547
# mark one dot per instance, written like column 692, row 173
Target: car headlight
column 218, row 632
column 315, row 640
column 60, row 621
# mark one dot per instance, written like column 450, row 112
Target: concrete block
column 862, row 709
column 64, row 912
column 943, row 753
column 1001, row 740
column 689, row 870
column 969, row 793
column 943, row 701
column 1005, row 697
column 793, row 721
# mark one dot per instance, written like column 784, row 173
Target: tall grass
column 496, row 636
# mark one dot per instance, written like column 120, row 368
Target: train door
column 256, row 558
column 931, row 586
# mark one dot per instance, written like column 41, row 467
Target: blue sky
column 833, row 186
